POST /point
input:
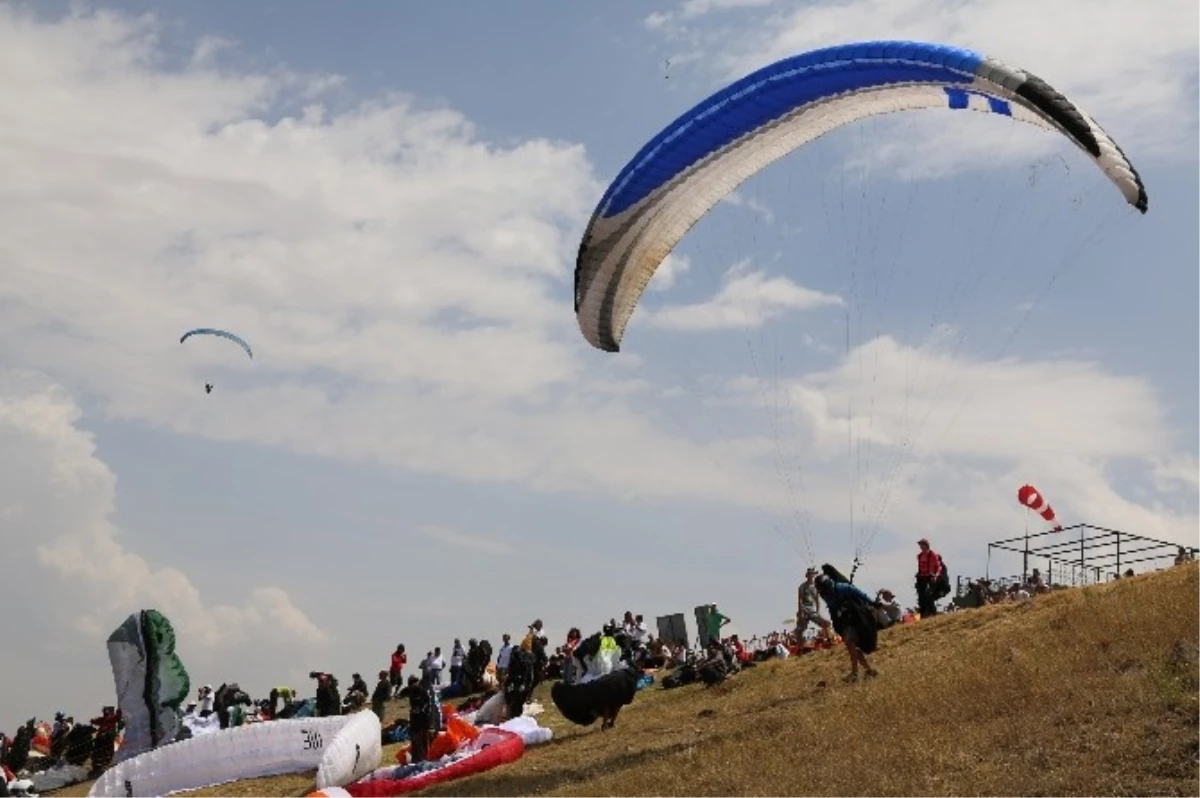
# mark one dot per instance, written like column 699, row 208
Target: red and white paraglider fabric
column 1032, row 498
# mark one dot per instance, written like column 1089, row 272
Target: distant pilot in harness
column 208, row 387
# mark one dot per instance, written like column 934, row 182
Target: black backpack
column 942, row 588
column 519, row 676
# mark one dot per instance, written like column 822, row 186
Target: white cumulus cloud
column 745, row 299
column 65, row 551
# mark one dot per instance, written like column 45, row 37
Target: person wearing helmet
column 851, row 611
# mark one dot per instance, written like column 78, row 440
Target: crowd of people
column 830, row 611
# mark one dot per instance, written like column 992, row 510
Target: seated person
column 887, row 611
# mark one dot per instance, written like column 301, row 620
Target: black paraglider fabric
column 582, row 704
column 588, row 647
column 834, row 573
column 856, row 619
column 1046, row 99
column 712, row 671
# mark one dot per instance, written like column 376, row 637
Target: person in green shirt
column 715, row 621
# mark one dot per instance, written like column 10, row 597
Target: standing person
column 424, row 715
column 570, row 666
column 58, row 736
column 502, row 658
column 436, row 665
column 808, row 606
column 639, row 634
column 207, row 703
column 715, row 621
column 519, row 684
column 853, row 617
column 535, row 643
column 534, row 635
column 396, row 671
column 479, row 656
column 104, row 744
column 457, row 658
column 383, row 689
column 473, row 669
column 329, row 698
column 929, row 570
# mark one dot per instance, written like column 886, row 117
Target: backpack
column 942, row 588
column 520, row 675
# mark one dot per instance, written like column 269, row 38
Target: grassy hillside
column 1083, row 692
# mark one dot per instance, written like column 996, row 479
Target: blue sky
column 386, row 200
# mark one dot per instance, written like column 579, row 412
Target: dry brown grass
column 1083, row 692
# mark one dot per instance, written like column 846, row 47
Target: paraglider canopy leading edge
column 708, row 151
column 220, row 334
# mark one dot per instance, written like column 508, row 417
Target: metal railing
column 1084, row 554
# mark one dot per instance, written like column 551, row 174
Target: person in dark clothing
column 477, row 661
column 226, row 698
column 715, row 667
column 58, row 735
column 520, row 681
column 458, row 663
column 359, row 685
column 18, row 751
column 929, row 571
column 853, row 617
column 424, row 716
column 383, row 690
column 329, row 698
column 535, row 643
column 79, row 744
column 106, row 726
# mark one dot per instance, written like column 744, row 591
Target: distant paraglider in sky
column 219, row 334
column 208, row 386
column 698, row 159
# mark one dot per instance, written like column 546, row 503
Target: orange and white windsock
column 1032, row 498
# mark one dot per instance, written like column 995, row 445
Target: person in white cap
column 808, row 605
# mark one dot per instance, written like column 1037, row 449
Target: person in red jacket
column 396, row 672
column 104, row 744
column 929, row 569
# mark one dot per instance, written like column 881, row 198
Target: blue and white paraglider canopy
column 707, row 152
